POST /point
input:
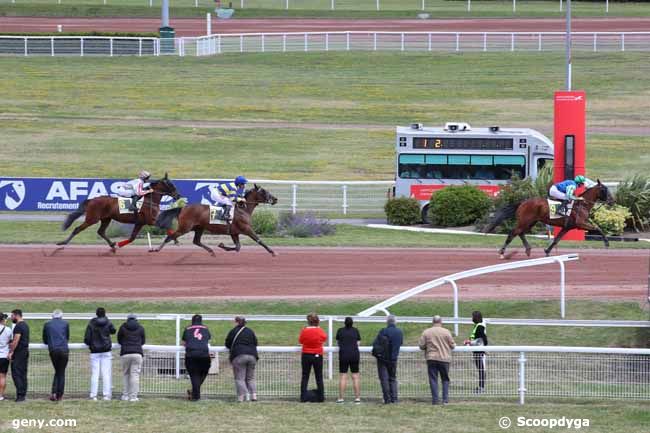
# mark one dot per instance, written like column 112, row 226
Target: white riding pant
column 556, row 193
column 125, row 190
column 219, row 198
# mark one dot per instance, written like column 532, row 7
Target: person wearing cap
column 136, row 188
column 565, row 192
column 437, row 344
column 19, row 354
column 131, row 338
column 242, row 343
column 226, row 193
column 56, row 334
column 387, row 364
column 6, row 335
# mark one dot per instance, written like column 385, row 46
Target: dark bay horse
column 530, row 212
column 196, row 217
column 105, row 209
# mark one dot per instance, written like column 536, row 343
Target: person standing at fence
column 386, row 348
column 437, row 344
column 312, row 338
column 478, row 337
column 98, row 340
column 6, row 335
column 242, row 343
column 197, row 355
column 131, row 338
column 56, row 334
column 19, row 354
column 348, row 339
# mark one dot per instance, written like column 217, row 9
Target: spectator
column 98, row 339
column 6, row 335
column 56, row 334
column 437, row 344
column 312, row 338
column 19, row 354
column 348, row 339
column 197, row 355
column 478, row 337
column 131, row 338
column 386, row 349
column 242, row 343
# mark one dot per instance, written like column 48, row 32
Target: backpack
column 381, row 347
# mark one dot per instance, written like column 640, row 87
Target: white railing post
column 514, row 6
column 178, row 343
column 81, row 47
column 539, row 42
column 208, row 23
column 241, row 4
column 241, row 43
column 332, row 5
column 345, row 199
column 263, row 44
column 347, row 41
column 286, row 5
column 52, row 46
column 422, row 4
column 284, row 43
column 562, row 288
column 196, row 3
column 522, row 377
column 622, row 41
column 606, row 6
column 560, row 5
column 595, row 42
column 150, row 3
column 484, row 41
column 140, row 47
column 294, row 196
column 25, row 47
column 402, row 42
column 327, row 41
column 111, row 47
column 306, row 43
column 512, row 42
column 457, row 41
column 219, row 44
column 430, row 44
column 377, row 4
column 469, row 5
column 374, row 41
column 455, row 287
column 330, row 355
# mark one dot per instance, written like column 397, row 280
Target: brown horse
column 530, row 212
column 105, row 209
column 196, row 217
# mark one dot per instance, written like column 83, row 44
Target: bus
column 429, row 158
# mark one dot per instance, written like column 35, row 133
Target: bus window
column 507, row 166
column 411, row 166
column 541, row 162
column 460, row 167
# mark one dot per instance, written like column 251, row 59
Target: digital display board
column 458, row 143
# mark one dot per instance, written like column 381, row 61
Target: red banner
column 424, row 192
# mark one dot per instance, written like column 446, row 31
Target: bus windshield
column 475, row 167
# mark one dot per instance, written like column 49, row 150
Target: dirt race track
column 197, row 26
column 81, row 272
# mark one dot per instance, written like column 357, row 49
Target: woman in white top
column 6, row 335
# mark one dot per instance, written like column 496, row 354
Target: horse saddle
column 124, row 205
column 218, row 216
column 555, row 211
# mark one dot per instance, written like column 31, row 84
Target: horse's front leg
column 594, row 227
column 251, row 234
column 557, row 239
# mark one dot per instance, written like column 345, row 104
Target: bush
column 611, row 219
column 634, row 194
column 302, row 225
column 455, row 206
column 544, row 180
column 403, row 211
column 265, row 222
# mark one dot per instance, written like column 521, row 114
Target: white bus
column 429, row 159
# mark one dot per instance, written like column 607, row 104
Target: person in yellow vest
column 478, row 337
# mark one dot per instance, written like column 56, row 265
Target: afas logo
column 12, row 192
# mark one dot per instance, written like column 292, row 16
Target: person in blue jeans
column 387, row 366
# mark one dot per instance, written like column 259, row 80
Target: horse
column 530, row 212
column 196, row 217
column 105, row 209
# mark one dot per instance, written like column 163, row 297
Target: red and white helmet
column 144, row 175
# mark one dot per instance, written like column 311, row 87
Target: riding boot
column 134, row 207
column 226, row 213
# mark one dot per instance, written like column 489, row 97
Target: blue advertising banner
column 59, row 194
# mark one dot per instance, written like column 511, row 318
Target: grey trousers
column 243, row 367
column 436, row 368
column 387, row 371
column 131, row 367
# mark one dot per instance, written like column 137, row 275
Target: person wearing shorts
column 5, row 338
column 348, row 339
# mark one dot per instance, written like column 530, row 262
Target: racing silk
column 567, row 187
column 230, row 190
column 138, row 186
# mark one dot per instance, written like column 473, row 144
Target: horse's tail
column 166, row 218
column 500, row 215
column 72, row 216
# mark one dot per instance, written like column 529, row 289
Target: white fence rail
column 514, row 372
column 324, row 42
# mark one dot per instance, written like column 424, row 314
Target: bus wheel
column 425, row 215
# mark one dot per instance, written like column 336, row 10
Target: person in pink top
column 312, row 338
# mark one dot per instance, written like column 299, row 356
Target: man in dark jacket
column 131, row 339
column 19, row 354
column 196, row 338
column 392, row 337
column 56, row 334
column 98, row 339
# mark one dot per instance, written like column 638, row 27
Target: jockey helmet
column 241, row 180
column 144, row 175
column 579, row 179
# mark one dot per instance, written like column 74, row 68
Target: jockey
column 224, row 194
column 135, row 189
column 565, row 191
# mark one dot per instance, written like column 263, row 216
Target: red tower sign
column 569, row 138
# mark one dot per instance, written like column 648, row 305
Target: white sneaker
column 92, row 398
column 134, row 399
column 106, row 398
column 2, row 397
column 357, row 401
column 340, row 400
column 124, row 398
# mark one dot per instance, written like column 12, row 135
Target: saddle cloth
column 124, row 205
column 554, row 206
column 217, row 215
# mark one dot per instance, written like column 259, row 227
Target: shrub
column 544, row 180
column 402, row 211
column 303, row 225
column 458, row 206
column 611, row 219
column 265, row 222
column 634, row 194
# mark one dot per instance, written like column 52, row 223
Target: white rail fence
column 324, row 42
column 512, row 372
